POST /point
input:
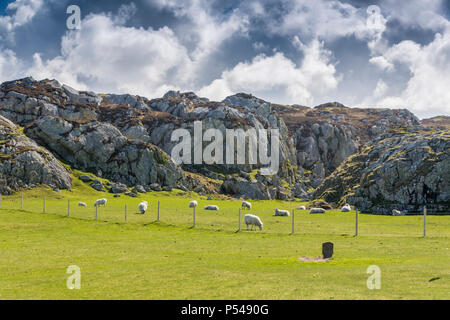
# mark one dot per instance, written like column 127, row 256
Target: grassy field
column 145, row 259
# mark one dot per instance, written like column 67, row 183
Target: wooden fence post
column 425, row 221
column 0, row 201
column 43, row 210
column 293, row 221
column 356, row 222
column 21, row 201
column 239, row 229
column 157, row 219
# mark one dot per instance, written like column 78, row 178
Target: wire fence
column 230, row 216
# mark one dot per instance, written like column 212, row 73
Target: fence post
column 43, row 210
column 356, row 222
column 194, row 218
column 425, row 221
column 157, row 219
column 293, row 221
column 125, row 213
column 68, row 207
column 21, row 201
column 0, row 201
column 239, row 229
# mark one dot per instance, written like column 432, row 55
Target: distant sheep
column 82, row 204
column 193, row 204
column 317, row 210
column 142, row 207
column 211, row 207
column 100, row 202
column 346, row 208
column 397, row 213
column 281, row 213
column 302, row 208
column 253, row 220
column 246, row 204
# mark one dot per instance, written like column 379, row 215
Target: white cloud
column 427, row 92
column 24, row 11
column 266, row 74
column 9, row 65
column 380, row 89
column 382, row 63
column 107, row 56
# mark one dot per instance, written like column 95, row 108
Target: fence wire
column 227, row 217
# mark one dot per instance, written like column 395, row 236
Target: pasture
column 168, row 259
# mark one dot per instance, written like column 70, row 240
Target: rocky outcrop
column 101, row 148
column 25, row 164
column 128, row 139
column 402, row 170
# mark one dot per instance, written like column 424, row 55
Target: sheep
column 302, row 208
column 281, row 213
column 253, row 220
column 100, row 202
column 142, row 207
column 346, row 208
column 246, row 204
column 397, row 213
column 82, row 204
column 317, row 210
column 193, row 204
column 211, row 207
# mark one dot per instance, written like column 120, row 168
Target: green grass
column 145, row 259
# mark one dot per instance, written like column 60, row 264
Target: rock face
column 128, row 139
column 25, row 164
column 328, row 134
column 404, row 170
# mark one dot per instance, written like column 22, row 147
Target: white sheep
column 397, row 213
column 100, row 202
column 346, row 208
column 82, row 204
column 246, row 204
column 142, row 207
column 317, row 210
column 211, row 207
column 302, row 208
column 193, row 204
column 253, row 220
column 281, row 213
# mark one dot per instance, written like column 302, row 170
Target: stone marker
column 327, row 250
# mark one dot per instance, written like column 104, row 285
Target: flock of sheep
column 249, row 219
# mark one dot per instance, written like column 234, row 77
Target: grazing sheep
column 317, row 210
column 142, row 207
column 246, row 204
column 211, row 207
column 346, row 208
column 302, row 208
column 253, row 220
column 397, row 213
column 193, row 204
column 100, row 202
column 82, row 204
column 281, row 213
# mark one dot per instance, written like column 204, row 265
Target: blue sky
column 361, row 53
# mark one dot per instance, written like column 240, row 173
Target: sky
column 377, row 53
